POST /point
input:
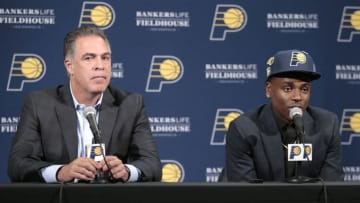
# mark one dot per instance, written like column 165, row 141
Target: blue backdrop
column 199, row 64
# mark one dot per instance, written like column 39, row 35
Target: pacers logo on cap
column 350, row 126
column 99, row 14
column 227, row 18
column 297, row 58
column 222, row 122
column 25, row 68
column 350, row 24
column 163, row 70
column 172, row 171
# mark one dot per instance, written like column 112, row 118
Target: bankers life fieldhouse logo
column 163, row 70
column 227, row 18
column 27, row 18
column 350, row 24
column 99, row 14
column 222, row 122
column 25, row 68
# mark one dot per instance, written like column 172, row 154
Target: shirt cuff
column 134, row 173
column 49, row 173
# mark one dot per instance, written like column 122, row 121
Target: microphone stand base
column 98, row 181
column 100, row 178
column 301, row 179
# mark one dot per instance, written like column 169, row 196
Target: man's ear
column 268, row 89
column 69, row 66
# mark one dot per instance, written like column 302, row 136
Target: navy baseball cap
column 292, row 63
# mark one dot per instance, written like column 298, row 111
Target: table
column 181, row 192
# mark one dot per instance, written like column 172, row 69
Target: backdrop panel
column 199, row 64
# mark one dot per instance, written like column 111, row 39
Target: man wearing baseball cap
column 286, row 139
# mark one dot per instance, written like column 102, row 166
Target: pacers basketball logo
column 99, row 14
column 300, row 152
column 222, row 122
column 95, row 151
column 350, row 126
column 350, row 24
column 296, row 58
column 163, row 70
column 172, row 171
column 227, row 18
column 25, row 68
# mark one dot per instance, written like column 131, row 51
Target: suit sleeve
column 332, row 167
column 239, row 156
column 143, row 151
column 26, row 151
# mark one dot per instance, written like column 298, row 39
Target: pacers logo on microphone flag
column 25, row 68
column 95, row 151
column 300, row 152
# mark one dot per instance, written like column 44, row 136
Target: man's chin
column 98, row 90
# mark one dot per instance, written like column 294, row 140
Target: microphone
column 90, row 115
column 96, row 151
column 300, row 151
column 296, row 114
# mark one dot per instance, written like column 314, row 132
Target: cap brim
column 301, row 75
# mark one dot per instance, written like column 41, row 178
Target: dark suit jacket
column 47, row 133
column 254, row 147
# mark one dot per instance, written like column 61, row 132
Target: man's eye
column 305, row 89
column 287, row 89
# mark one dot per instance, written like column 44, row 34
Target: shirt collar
column 77, row 105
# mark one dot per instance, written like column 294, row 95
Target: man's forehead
column 289, row 80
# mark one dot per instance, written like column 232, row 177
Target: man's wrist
column 57, row 174
column 128, row 172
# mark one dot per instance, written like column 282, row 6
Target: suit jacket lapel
column 107, row 117
column 308, row 128
column 272, row 143
column 67, row 118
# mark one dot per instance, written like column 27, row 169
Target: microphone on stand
column 296, row 115
column 90, row 115
column 96, row 150
column 299, row 151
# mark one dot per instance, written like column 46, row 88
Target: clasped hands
column 86, row 169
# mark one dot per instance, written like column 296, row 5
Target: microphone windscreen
column 89, row 110
column 295, row 111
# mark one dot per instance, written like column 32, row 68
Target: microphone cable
column 105, row 161
column 61, row 189
column 88, row 111
column 318, row 178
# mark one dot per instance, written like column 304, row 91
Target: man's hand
column 117, row 168
column 80, row 168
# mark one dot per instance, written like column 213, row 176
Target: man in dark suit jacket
column 257, row 141
column 52, row 135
